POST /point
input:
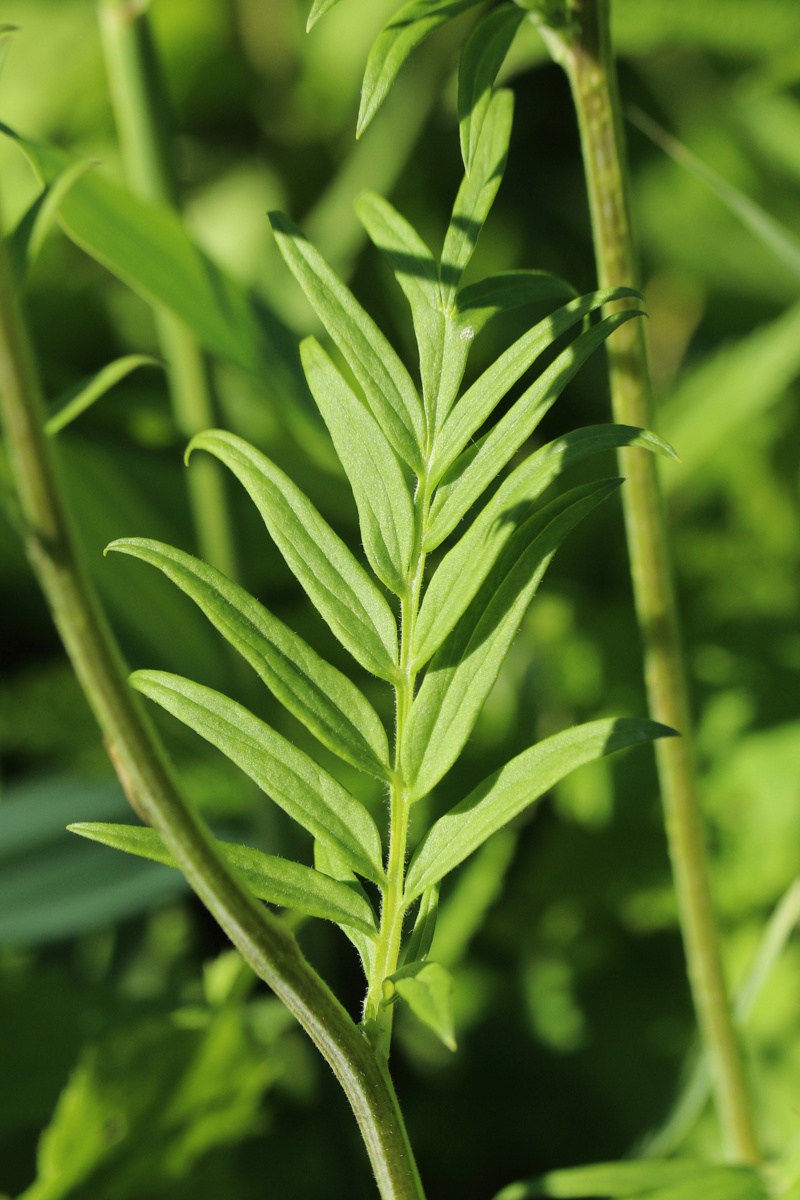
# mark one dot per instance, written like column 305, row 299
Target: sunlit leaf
column 294, row 781
column 30, row 232
column 276, row 880
column 385, row 508
column 427, row 989
column 77, row 399
column 318, row 9
column 463, row 569
column 409, row 26
column 462, row 672
column 646, row 1179
column 479, row 302
column 315, row 692
column 506, row 793
column 387, row 385
column 336, row 583
column 483, row 57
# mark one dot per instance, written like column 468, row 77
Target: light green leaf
column 77, row 399
column 669, row 1179
column 482, row 462
column 479, row 401
column 427, row 989
column 462, row 672
column 294, row 781
column 479, row 302
column 387, row 385
column 418, row 275
column 318, row 9
column 276, row 880
column 476, row 194
column 316, row 693
column 385, row 508
column 463, row 569
column 335, row 582
column 330, row 863
column 483, row 57
column 506, row 793
column 409, row 26
column 419, row 943
column 29, row 235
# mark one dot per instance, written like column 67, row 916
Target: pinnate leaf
column 427, row 989
column 506, row 793
column 385, row 508
column 276, row 880
column 335, row 582
column 316, row 693
column 387, row 385
column 462, row 672
column 483, row 57
column 294, row 781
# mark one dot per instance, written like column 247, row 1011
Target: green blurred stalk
column 577, row 34
column 146, row 776
column 143, row 123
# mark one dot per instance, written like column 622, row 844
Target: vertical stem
column 265, row 943
column 582, row 45
column 142, row 116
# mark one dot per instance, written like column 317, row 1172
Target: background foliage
column 118, row 1001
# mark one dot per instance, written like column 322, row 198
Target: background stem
column 263, row 940
column 141, row 111
column 582, row 45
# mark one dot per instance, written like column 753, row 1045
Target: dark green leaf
column 483, row 57
column 409, row 26
column 385, row 507
column 315, row 692
column 276, row 880
column 336, row 583
column 506, row 793
column 77, row 399
column 462, row 672
column 387, row 385
column 294, row 781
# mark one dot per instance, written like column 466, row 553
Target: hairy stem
column 582, row 45
column 142, row 116
column 264, row 941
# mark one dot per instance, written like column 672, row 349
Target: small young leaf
column 385, row 507
column 409, row 26
column 387, row 385
column 77, row 399
column 462, row 672
column 464, row 568
column 483, row 57
column 276, row 880
column 479, row 401
column 506, row 793
column 415, row 269
column 294, row 781
column 427, row 989
column 480, row 463
column 476, row 194
column 335, row 582
column 316, row 693
column 419, row 943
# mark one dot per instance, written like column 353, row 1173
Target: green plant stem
column 582, row 45
column 263, row 940
column 142, row 117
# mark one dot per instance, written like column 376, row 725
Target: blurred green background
column 129, row 1033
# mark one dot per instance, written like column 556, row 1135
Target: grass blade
column 76, row 401
column 385, row 507
column 276, row 880
column 483, row 57
column 294, row 781
column 387, row 385
column 506, row 793
column 316, row 693
column 464, row 669
column 335, row 582
column 464, row 568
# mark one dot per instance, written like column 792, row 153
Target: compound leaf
column 506, row 793
column 294, row 781
column 335, row 582
column 276, row 880
column 316, row 693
